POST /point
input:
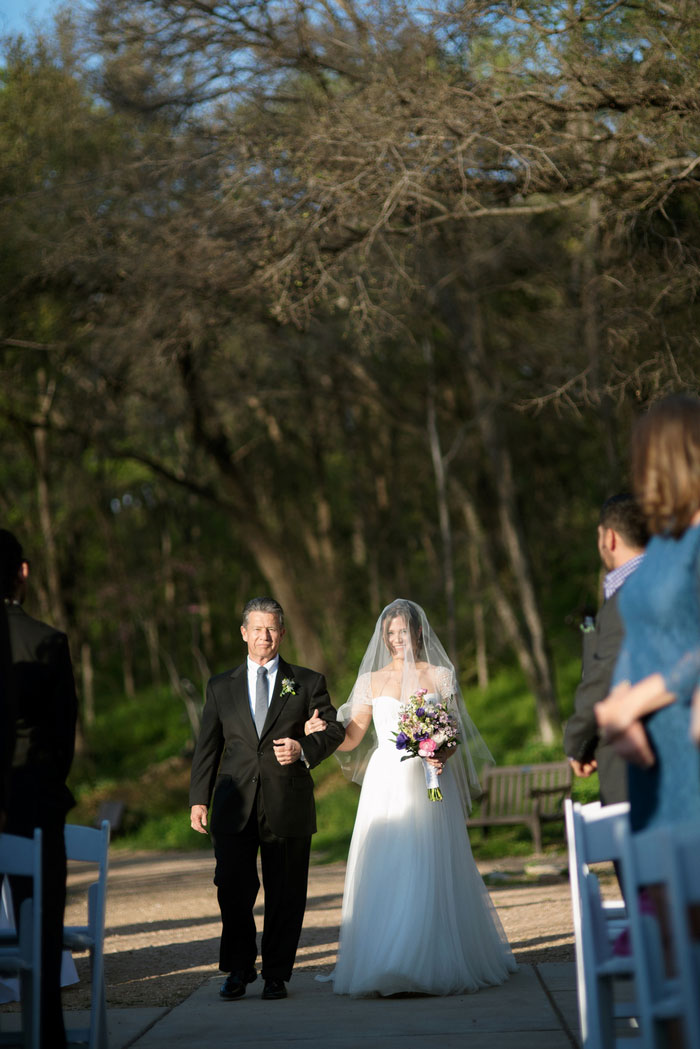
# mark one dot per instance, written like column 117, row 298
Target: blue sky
column 15, row 15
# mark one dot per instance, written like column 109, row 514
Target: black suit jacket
column 45, row 728
column 581, row 739
column 8, row 707
column 230, row 761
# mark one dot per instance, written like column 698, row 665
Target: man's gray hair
column 263, row 604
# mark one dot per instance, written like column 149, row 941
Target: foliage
column 139, row 753
column 339, row 301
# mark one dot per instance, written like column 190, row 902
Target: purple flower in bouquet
column 424, row 729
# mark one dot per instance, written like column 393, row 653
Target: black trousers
column 53, row 867
column 285, row 870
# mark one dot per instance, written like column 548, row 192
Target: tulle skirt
column 416, row 914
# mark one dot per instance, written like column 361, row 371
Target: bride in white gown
column 416, row 915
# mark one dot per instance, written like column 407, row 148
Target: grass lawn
column 139, row 752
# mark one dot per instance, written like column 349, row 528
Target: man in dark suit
column 43, row 753
column 8, row 712
column 622, row 537
column 250, row 758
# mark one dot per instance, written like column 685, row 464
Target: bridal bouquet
column 423, row 729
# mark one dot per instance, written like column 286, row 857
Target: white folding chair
column 656, row 858
column 90, row 845
column 20, row 952
column 591, row 839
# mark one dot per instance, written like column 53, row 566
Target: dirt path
column 163, row 923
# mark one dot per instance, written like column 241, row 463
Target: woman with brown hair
column 417, row 918
column 648, row 713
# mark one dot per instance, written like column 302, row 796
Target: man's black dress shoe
column 235, row 984
column 274, row 989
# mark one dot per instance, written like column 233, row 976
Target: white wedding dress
column 416, row 914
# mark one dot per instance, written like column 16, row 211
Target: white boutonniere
column 289, row 687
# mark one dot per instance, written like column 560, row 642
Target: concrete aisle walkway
column 535, row 1009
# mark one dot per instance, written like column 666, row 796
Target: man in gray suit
column 622, row 537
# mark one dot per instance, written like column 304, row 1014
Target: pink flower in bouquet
column 424, row 728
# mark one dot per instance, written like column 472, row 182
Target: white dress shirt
column 271, row 667
column 253, row 668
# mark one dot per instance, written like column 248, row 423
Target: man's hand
column 198, row 818
column 583, row 769
column 315, row 724
column 287, row 750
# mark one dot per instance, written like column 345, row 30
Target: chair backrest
column 647, row 858
column 22, row 856
column 589, row 831
column 21, row 952
column 596, row 829
column 90, row 845
column 87, row 843
column 685, row 861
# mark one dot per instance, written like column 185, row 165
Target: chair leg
column 98, row 1018
column 98, row 1006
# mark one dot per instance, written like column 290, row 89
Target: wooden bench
column 530, row 794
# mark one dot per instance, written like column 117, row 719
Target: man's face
column 263, row 636
column 606, row 554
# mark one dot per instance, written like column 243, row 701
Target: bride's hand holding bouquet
column 430, row 731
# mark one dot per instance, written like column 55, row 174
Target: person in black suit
column 250, row 765
column 622, row 537
column 8, row 712
column 37, row 793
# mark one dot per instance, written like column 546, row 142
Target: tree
column 269, row 213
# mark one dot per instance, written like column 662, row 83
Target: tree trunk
column 207, row 633
column 245, row 502
column 128, row 663
column 185, row 691
column 440, row 473
column 283, row 588
column 591, row 308
column 88, row 683
column 479, row 618
column 58, row 613
column 504, row 609
column 477, row 369
column 150, row 631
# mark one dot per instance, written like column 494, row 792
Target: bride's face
column 397, row 637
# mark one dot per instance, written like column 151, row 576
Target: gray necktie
column 261, row 699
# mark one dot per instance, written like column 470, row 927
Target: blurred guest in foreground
column 37, row 793
column 647, row 715
column 8, row 712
